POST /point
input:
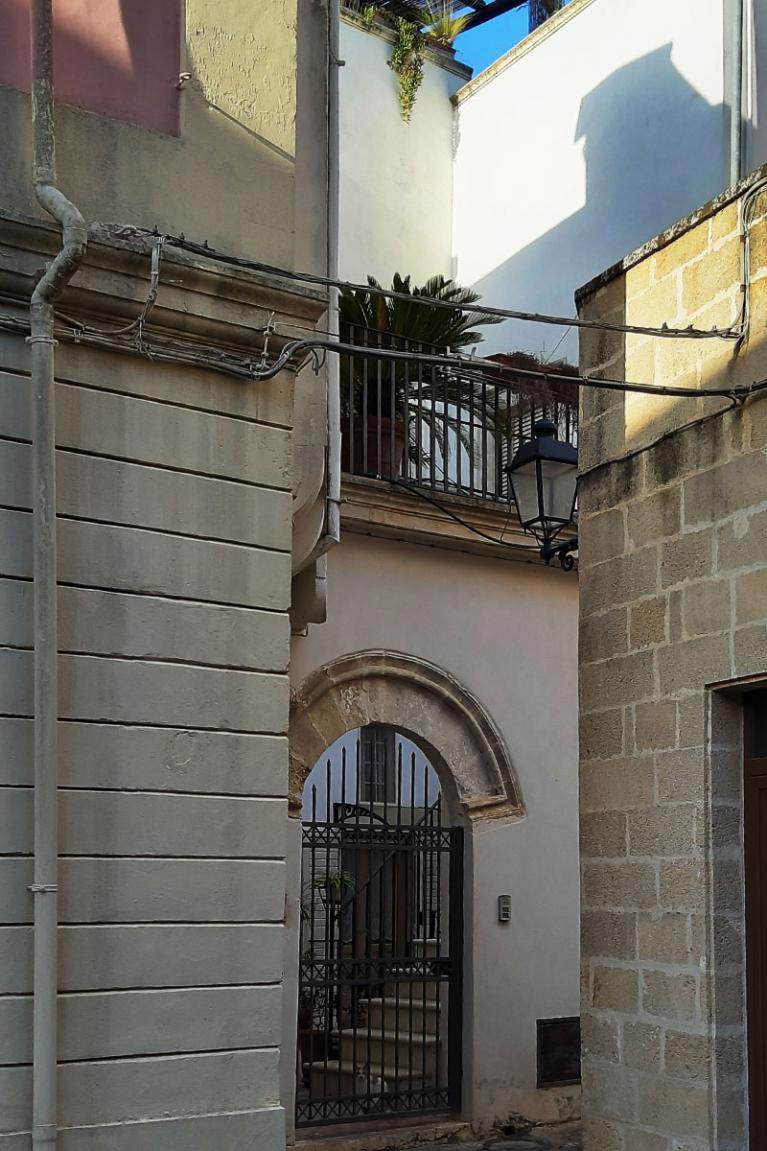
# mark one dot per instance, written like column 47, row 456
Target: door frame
column 755, row 863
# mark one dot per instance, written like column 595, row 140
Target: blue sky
column 483, row 45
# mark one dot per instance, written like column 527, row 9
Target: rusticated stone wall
column 673, row 580
column 174, row 565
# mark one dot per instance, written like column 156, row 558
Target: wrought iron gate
column 381, row 941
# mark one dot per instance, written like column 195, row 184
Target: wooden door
column 755, row 804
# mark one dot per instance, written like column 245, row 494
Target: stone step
column 425, row 947
column 403, row 1013
column 416, row 1054
column 346, row 1078
column 419, row 990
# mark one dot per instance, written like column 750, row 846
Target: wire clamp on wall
column 269, row 328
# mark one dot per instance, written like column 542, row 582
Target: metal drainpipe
column 736, row 121
column 333, row 527
column 54, row 279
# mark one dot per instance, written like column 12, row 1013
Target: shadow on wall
column 654, row 151
column 118, row 59
column 183, row 160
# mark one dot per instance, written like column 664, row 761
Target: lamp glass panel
column 525, row 483
column 559, row 480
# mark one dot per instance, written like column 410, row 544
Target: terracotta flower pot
column 365, row 432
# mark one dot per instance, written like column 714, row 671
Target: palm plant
column 441, row 24
column 385, row 396
column 414, row 319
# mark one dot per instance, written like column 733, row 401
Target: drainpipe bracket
column 42, row 888
column 44, row 1133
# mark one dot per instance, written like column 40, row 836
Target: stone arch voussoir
column 417, row 697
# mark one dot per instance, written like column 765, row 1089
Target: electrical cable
column 557, row 346
column 746, row 218
column 316, row 347
column 465, row 367
column 252, row 369
column 289, row 326
column 626, row 456
column 140, row 321
column 733, row 332
column 422, row 495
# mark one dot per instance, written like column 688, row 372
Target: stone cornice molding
column 200, row 299
column 376, row 508
column 421, row 700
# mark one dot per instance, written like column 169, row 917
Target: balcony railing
column 538, row 10
column 427, row 426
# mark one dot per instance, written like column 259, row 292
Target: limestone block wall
column 673, row 582
column 174, row 533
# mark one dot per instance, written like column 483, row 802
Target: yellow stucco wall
column 228, row 177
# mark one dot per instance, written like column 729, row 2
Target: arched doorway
column 454, row 732
column 381, row 936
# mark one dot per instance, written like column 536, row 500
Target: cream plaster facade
column 415, row 596
column 483, row 617
column 396, row 179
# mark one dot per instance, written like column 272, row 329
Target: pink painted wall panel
column 115, row 57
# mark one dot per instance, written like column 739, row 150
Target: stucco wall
column 113, row 58
column 595, row 134
column 395, row 178
column 227, row 176
column 673, row 567
column 506, row 631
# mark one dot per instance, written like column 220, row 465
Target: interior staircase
column 396, row 1043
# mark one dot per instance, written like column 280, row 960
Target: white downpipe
column 56, row 276
column 333, row 526
column 736, row 100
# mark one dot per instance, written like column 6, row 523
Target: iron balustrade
column 538, row 10
column 433, row 428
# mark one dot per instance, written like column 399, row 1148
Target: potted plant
column 316, row 1040
column 331, row 886
column 441, row 25
column 377, row 418
column 313, row 1040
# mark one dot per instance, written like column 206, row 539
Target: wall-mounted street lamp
column 543, row 477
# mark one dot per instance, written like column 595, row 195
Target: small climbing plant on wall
column 416, row 27
column 407, row 64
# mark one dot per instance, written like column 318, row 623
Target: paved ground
column 566, row 1137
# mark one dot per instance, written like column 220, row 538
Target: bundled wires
column 295, row 353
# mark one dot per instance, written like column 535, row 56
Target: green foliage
column 330, row 885
column 414, row 26
column 368, row 15
column 413, row 319
column 407, row 64
column 440, row 23
column 334, row 882
column 413, row 324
